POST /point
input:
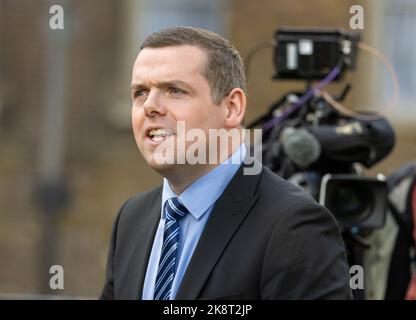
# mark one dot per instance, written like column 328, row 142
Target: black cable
column 254, row 51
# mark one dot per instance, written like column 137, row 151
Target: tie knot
column 175, row 209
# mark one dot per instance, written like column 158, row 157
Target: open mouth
column 158, row 135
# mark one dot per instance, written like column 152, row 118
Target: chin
column 168, row 171
column 159, row 166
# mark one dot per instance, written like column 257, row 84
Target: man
column 212, row 231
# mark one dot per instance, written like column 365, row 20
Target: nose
column 153, row 106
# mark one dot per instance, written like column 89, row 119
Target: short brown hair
column 225, row 68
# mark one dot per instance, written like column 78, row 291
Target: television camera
column 312, row 143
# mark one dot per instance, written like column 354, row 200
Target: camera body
column 315, row 145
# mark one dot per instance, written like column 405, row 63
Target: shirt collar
column 201, row 194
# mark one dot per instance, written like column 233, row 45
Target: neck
column 180, row 181
column 182, row 176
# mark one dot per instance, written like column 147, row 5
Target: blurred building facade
column 100, row 161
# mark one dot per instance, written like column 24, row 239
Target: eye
column 139, row 93
column 176, row 91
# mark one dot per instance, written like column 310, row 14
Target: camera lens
column 351, row 202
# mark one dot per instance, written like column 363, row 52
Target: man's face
column 167, row 87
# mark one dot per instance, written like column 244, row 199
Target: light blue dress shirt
column 199, row 198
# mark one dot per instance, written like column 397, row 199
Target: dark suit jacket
column 265, row 239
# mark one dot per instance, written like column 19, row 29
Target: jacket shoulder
column 275, row 190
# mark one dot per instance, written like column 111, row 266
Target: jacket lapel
column 143, row 246
column 228, row 214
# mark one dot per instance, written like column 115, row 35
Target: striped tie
column 174, row 210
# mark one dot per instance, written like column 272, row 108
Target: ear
column 236, row 103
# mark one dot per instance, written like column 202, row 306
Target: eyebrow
column 136, row 85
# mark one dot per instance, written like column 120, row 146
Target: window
column 396, row 29
column 160, row 14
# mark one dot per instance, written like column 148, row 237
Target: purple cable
column 309, row 94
